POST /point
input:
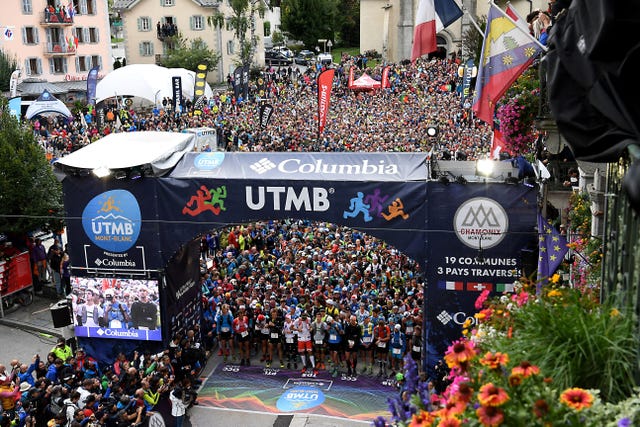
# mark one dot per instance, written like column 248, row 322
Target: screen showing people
column 116, row 308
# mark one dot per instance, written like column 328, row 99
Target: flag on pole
column 325, row 84
column 498, row 144
column 432, row 16
column 517, row 18
column 552, row 247
column 507, row 52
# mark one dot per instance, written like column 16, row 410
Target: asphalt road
column 23, row 344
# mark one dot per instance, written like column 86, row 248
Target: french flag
column 432, row 16
column 450, row 286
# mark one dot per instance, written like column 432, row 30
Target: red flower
column 495, row 361
column 577, row 398
column 525, row 369
column 459, row 353
column 491, row 395
column 490, row 416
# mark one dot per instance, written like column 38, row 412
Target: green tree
column 189, row 54
column 30, row 195
column 310, row 20
column 472, row 40
column 349, row 11
column 7, row 65
column 241, row 20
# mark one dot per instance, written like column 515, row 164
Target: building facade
column 148, row 26
column 387, row 26
column 57, row 42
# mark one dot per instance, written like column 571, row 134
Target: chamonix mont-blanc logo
column 112, row 220
column 481, row 223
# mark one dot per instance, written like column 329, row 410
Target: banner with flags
column 325, row 84
column 432, row 16
column 552, row 247
column 266, row 110
column 507, row 52
column 92, row 82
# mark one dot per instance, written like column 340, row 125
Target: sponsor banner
column 92, row 82
column 176, row 88
column 304, row 166
column 111, row 229
column 245, row 82
column 385, row 78
column 395, row 212
column 121, row 334
column 237, row 82
column 466, row 80
column 200, row 82
column 474, row 240
column 266, row 110
column 15, row 107
column 325, row 84
column 182, row 308
column 300, row 398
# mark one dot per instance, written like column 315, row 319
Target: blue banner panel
column 111, row 226
column 476, row 233
column 394, row 212
column 372, row 167
column 182, row 308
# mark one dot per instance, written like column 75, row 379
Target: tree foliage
column 310, row 20
column 241, row 20
column 189, row 54
column 349, row 13
column 30, row 195
column 7, row 65
column 472, row 40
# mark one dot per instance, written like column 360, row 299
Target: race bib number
column 409, row 329
column 225, row 329
column 318, row 342
column 366, row 340
column 396, row 351
column 244, row 334
column 289, row 340
column 274, row 335
column 351, row 343
column 333, row 337
column 416, row 348
column 382, row 344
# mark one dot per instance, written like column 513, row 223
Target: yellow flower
column 614, row 312
column 577, row 398
column 554, row 293
column 555, row 278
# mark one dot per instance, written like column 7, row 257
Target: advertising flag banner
column 237, row 82
column 245, row 82
column 92, row 82
column 466, row 80
column 176, row 87
column 432, row 16
column 552, row 248
column 385, row 78
column 200, row 82
column 474, row 240
column 507, row 52
column 15, row 107
column 325, row 84
column 266, row 110
column 350, row 81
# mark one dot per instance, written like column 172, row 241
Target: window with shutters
column 30, row 35
column 83, row 64
column 230, row 48
column 93, row 35
column 27, row 7
column 146, row 49
column 197, row 23
column 58, row 65
column 79, row 33
column 33, row 66
column 82, row 8
column 144, row 23
column 96, row 61
column 91, row 7
column 168, row 3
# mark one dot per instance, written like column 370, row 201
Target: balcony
column 166, row 31
column 55, row 19
column 58, row 49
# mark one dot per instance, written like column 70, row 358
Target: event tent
column 47, row 103
column 365, row 82
column 147, row 81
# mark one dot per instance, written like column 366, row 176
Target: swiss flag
column 479, row 286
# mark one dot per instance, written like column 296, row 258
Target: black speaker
column 61, row 314
column 529, row 260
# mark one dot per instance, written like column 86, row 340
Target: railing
column 58, row 49
column 167, row 30
column 61, row 17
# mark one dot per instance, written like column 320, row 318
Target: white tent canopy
column 147, row 81
column 160, row 150
column 47, row 103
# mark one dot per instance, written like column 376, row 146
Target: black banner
column 182, row 296
column 200, row 82
column 266, row 111
column 176, row 87
column 245, row 82
column 237, row 82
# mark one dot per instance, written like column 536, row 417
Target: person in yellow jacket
column 62, row 350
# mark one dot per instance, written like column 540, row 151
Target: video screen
column 116, row 308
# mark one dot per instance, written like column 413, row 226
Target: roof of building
column 122, row 4
column 72, row 86
column 36, row 87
